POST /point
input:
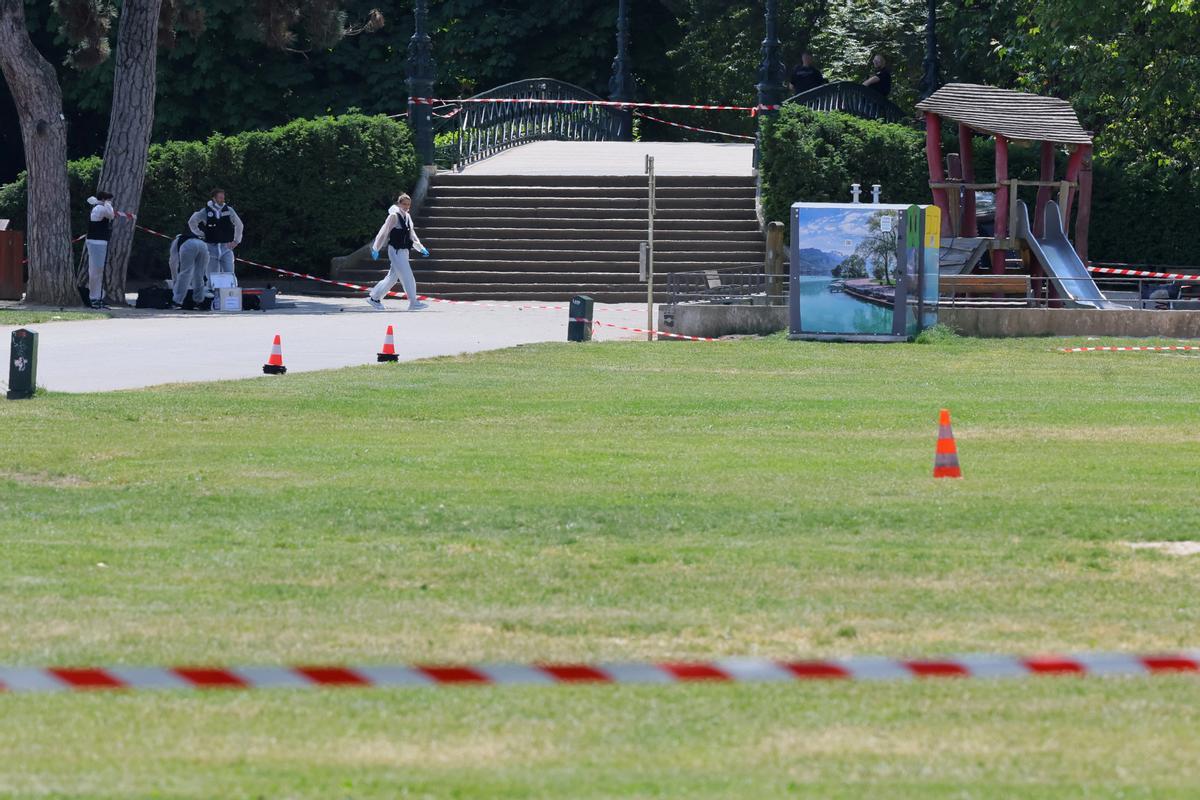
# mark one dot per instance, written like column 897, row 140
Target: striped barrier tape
column 400, row 295
column 692, row 127
column 546, row 101
column 1142, row 273
column 1145, row 349
column 733, row 670
column 643, row 330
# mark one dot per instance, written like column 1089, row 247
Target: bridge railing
column 850, row 98
column 477, row 130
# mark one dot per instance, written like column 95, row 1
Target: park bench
column 985, row 285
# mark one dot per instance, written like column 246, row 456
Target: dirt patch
column 1170, row 548
column 45, row 479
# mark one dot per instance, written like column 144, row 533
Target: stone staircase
column 548, row 237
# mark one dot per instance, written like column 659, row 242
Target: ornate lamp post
column 422, row 73
column 620, row 85
column 771, row 72
column 930, row 80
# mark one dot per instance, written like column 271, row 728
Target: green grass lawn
column 611, row 501
column 20, row 316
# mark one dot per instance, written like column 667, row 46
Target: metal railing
column 850, row 98
column 732, row 286
column 1159, row 294
column 477, row 130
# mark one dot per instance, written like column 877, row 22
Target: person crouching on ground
column 189, row 266
column 221, row 229
column 399, row 236
column 99, row 231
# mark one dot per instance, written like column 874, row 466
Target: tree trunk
column 38, row 98
column 129, row 125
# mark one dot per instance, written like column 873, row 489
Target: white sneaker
column 417, row 305
column 375, row 304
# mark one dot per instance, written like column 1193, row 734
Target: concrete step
column 667, row 181
column 434, row 205
column 579, row 268
column 627, row 255
column 468, row 221
column 567, row 236
column 750, row 241
column 455, row 192
column 700, row 216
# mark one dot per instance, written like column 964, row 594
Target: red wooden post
column 933, row 154
column 1002, row 221
column 970, row 225
column 1073, row 166
column 1085, row 207
column 1043, row 197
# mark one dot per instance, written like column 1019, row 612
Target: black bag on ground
column 154, row 297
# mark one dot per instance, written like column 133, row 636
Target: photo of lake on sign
column 844, row 266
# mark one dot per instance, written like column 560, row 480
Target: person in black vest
column 806, row 76
column 399, row 236
column 881, row 81
column 221, row 229
column 99, row 231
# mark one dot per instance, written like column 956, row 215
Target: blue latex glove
column 374, row 254
column 424, row 251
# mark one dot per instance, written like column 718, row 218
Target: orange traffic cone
column 945, row 459
column 389, row 347
column 274, row 365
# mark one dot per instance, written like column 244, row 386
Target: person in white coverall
column 188, row 260
column 99, row 231
column 399, row 236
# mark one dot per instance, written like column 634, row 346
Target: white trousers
column 400, row 271
column 97, row 256
column 193, row 266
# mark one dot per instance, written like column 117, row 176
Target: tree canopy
column 1131, row 67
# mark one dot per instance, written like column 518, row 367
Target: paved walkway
column 618, row 158
column 145, row 348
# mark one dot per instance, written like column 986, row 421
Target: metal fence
column 1158, row 294
column 473, row 131
column 733, row 286
column 851, row 98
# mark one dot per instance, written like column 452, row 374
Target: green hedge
column 815, row 156
column 1141, row 213
column 307, row 191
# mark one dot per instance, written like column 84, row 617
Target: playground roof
column 1003, row 112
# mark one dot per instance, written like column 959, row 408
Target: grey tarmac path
column 146, row 348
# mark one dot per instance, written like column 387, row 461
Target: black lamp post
column 422, row 73
column 771, row 72
column 931, row 79
column 620, row 85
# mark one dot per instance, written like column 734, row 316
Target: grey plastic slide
column 1058, row 258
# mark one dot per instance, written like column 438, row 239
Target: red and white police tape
column 1144, row 349
column 692, row 127
column 547, row 101
column 1142, row 273
column 643, row 330
column 732, row 670
column 361, row 288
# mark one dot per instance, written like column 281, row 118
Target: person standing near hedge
column 881, row 81
column 221, row 229
column 99, row 231
column 399, row 236
column 806, row 75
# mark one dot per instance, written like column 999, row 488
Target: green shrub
column 814, row 157
column 307, row 191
